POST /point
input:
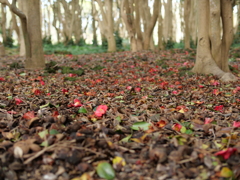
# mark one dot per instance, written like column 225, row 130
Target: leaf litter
column 119, row 115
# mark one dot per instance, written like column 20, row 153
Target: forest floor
column 133, row 116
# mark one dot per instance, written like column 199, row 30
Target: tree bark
column 3, row 22
column 187, row 10
column 160, row 28
column 106, row 23
column 150, row 22
column 95, row 43
column 205, row 62
column 30, row 23
column 36, row 60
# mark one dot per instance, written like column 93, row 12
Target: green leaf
column 189, row 131
column 118, row 118
column 44, row 143
column 140, row 125
column 183, row 129
column 22, row 74
column 42, row 134
column 82, row 110
column 126, row 139
column 105, row 170
column 119, row 97
column 53, row 132
column 9, row 97
column 45, row 105
column 226, row 172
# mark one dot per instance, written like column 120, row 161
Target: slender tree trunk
column 160, row 28
column 215, row 30
column 95, row 43
column 3, row 22
column 187, row 8
column 150, row 22
column 106, row 23
column 2, row 49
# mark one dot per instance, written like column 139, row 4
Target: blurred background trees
column 90, row 26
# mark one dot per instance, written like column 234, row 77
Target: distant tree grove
column 145, row 24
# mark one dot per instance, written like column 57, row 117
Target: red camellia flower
column 29, row 115
column 226, row 153
column 42, row 82
column 101, row 109
column 216, row 92
column 2, row 79
column 218, row 108
column 160, row 123
column 215, row 83
column 64, row 91
column 236, row 90
column 129, row 87
column 177, row 127
column 37, row 91
column 77, row 103
column 18, row 101
column 236, row 123
column 137, row 89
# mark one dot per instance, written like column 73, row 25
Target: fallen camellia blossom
column 208, row 120
column 218, row 108
column 236, row 123
column 18, row 101
column 29, row 115
column 101, row 109
column 177, row 127
column 77, row 103
column 226, row 153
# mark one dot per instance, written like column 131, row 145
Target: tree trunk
column 95, row 43
column 30, row 23
column 36, row 61
column 2, row 49
column 106, row 23
column 150, row 22
column 205, row 62
column 193, row 22
column 22, row 49
column 187, row 8
column 168, row 27
column 160, row 28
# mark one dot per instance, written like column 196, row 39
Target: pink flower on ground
column 137, row 89
column 18, row 101
column 226, row 153
column 77, row 103
column 216, row 92
column 236, row 90
column 175, row 92
column 129, row 87
column 177, row 127
column 236, row 123
column 101, row 109
column 72, row 75
column 29, row 115
column 208, row 120
column 42, row 82
column 215, row 83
